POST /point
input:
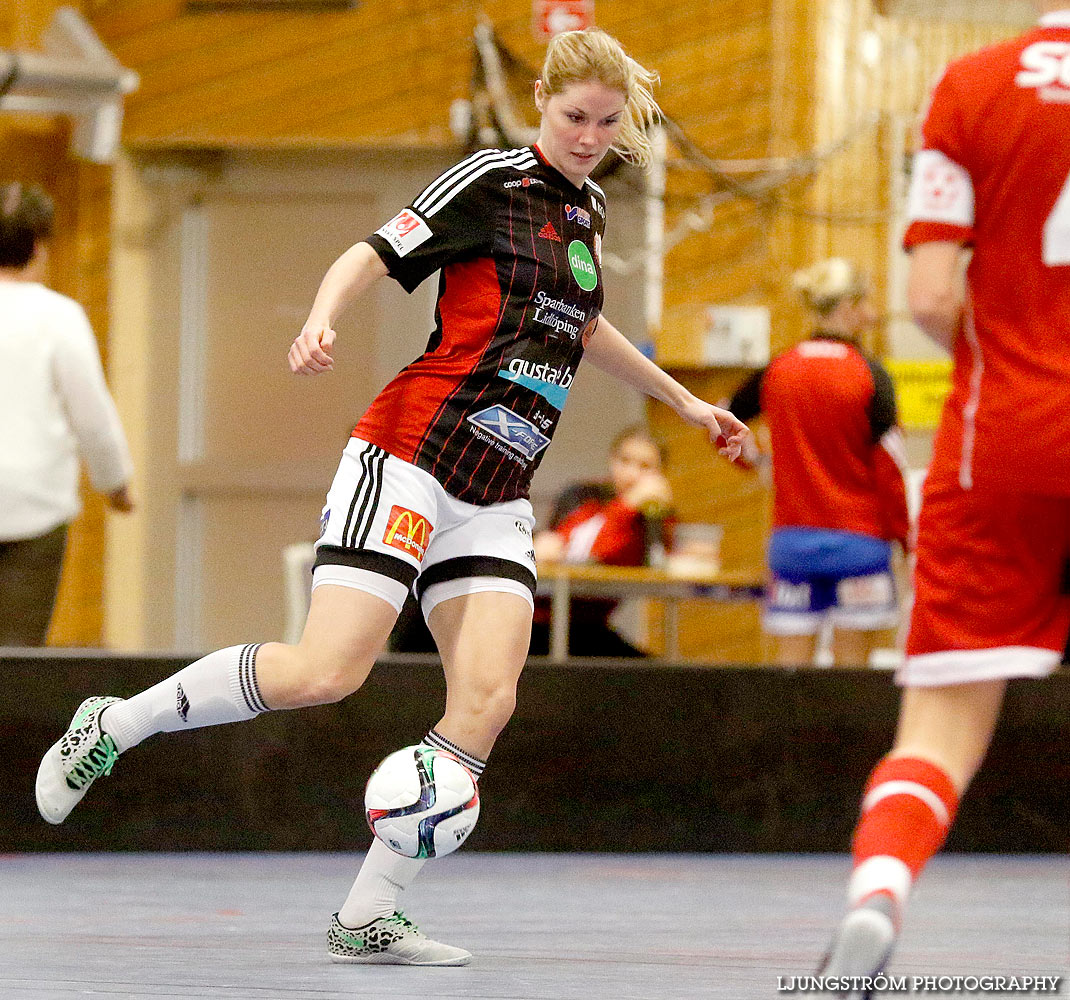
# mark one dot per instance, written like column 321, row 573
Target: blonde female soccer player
column 432, row 489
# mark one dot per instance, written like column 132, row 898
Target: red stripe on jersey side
column 404, row 412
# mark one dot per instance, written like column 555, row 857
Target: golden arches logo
column 408, row 531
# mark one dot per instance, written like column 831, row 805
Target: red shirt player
column 838, row 488
column 994, row 531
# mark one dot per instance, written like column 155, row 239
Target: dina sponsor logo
column 503, row 425
column 550, row 382
column 576, row 214
column 582, row 264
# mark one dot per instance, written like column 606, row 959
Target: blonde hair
column 579, row 56
column 825, row 284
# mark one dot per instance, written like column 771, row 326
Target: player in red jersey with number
column 993, row 546
column 431, row 492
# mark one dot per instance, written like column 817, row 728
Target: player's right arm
column 936, row 291
column 346, row 279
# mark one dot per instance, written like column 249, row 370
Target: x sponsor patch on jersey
column 502, row 424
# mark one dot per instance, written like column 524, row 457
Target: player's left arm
column 936, row 291
column 609, row 350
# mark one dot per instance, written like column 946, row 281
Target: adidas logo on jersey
column 549, row 233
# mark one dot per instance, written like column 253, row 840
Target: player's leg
column 1000, row 615
column 794, row 650
column 359, row 586
column 345, row 631
column 853, row 647
column 482, row 627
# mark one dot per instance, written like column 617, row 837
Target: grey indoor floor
column 542, row 927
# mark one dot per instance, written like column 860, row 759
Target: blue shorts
column 817, row 572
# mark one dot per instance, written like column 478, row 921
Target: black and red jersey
column 837, row 452
column 519, row 248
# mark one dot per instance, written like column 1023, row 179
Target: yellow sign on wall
column 921, row 388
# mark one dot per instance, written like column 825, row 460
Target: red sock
column 907, row 811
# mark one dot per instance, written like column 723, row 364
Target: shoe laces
column 96, row 763
column 400, row 918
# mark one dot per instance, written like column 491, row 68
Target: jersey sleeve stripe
column 444, row 179
column 594, row 187
column 430, row 207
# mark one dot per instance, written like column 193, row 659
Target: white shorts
column 388, row 527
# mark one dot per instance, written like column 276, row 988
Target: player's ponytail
column 579, row 56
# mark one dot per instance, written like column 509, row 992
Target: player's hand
column 726, row 432
column 310, row 353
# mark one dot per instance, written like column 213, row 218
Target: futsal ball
column 421, row 803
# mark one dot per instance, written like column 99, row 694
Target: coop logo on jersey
column 522, row 182
column 405, row 232
column 549, row 382
column 1046, row 66
column 582, row 264
column 576, row 214
column 408, row 531
column 504, row 425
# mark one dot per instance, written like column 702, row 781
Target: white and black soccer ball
column 421, row 802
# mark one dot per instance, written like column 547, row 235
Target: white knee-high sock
column 220, row 687
column 384, row 874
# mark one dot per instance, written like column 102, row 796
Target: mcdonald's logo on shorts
column 408, row 531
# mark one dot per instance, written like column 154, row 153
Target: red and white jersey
column 837, row 450
column 994, row 174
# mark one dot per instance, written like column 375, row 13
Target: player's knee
column 329, row 680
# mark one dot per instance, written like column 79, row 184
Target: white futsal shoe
column 72, row 764
column 393, row 940
column 861, row 948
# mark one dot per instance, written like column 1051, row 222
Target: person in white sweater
column 54, row 407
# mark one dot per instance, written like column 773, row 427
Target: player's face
column 633, row 459
column 578, row 126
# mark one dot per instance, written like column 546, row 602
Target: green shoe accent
column 97, row 763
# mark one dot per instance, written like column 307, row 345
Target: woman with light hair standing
column 839, row 492
column 432, row 491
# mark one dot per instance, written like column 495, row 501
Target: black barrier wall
column 597, row 758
